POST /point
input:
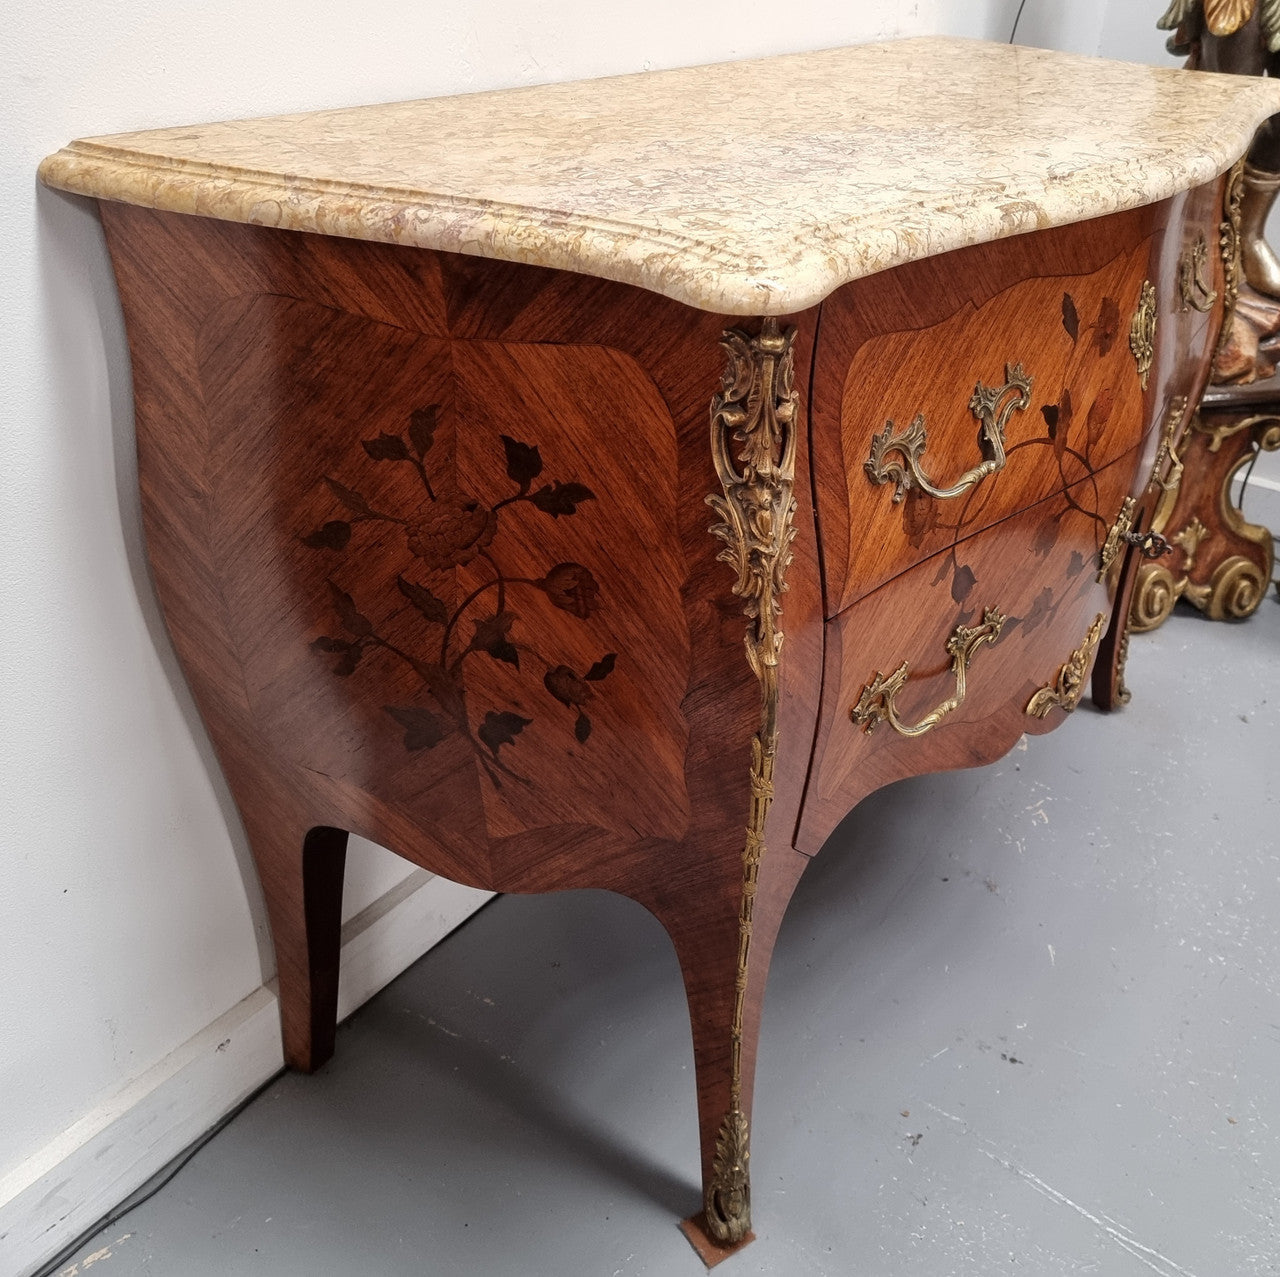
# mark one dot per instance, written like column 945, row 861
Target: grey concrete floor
column 1021, row 1020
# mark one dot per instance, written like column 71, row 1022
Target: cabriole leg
column 302, row 873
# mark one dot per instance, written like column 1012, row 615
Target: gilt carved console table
column 455, row 558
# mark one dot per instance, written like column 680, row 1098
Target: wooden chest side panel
column 521, row 690
column 366, row 473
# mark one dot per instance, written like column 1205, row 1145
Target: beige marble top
column 744, row 187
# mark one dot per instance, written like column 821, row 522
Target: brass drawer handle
column 876, row 701
column 992, row 405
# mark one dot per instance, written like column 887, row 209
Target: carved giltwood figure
column 1241, row 37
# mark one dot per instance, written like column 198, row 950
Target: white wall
column 130, row 916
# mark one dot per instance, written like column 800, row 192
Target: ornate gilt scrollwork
column 1150, row 544
column 1233, row 592
column 1235, row 586
column 1153, row 597
column 753, row 443
column 1166, row 469
column 1156, row 591
column 1229, row 248
column 991, row 405
column 1123, row 694
column 1193, row 287
column 1264, row 425
column 1142, row 332
column 756, row 410
column 1066, row 689
column 1116, row 536
column 1188, row 541
column 728, row 1203
column 876, row 702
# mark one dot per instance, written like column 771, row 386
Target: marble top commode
column 492, row 565
column 744, row 188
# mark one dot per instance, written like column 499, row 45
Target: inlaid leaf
column 962, row 582
column 1100, row 412
column 422, row 728
column 386, row 448
column 349, row 498
column 1046, row 537
column 1040, row 608
column 1065, row 413
column 1107, row 325
column 348, row 654
column 348, row 661
column 602, row 668
column 500, row 729
column 334, row 535
column 919, row 516
column 433, row 608
column 524, row 461
column 444, row 687
column 350, row 616
column 1050, row 414
column 1070, row 319
column 422, row 428
column 582, row 728
column 491, row 637
column 559, row 498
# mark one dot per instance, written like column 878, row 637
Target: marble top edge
column 868, row 157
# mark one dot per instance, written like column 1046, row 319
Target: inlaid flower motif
column 449, row 530
column 450, row 534
column 566, row 686
column 572, row 588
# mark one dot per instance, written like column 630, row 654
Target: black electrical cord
column 1017, row 18
column 1248, row 474
column 146, row 1191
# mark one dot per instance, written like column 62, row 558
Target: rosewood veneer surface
column 431, row 532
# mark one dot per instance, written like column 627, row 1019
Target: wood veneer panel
column 516, row 662
column 1060, row 303
column 1049, row 608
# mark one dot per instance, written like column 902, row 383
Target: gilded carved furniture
column 565, row 493
column 1219, row 561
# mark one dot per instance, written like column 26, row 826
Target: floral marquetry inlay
column 449, row 529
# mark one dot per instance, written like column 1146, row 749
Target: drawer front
column 951, row 394
column 958, row 650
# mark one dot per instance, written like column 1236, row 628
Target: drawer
column 1028, row 588
column 920, row 385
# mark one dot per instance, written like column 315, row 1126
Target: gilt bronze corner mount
column 753, row 444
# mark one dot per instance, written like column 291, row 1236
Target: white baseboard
column 54, row 1196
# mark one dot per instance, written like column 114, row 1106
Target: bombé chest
column 564, row 492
